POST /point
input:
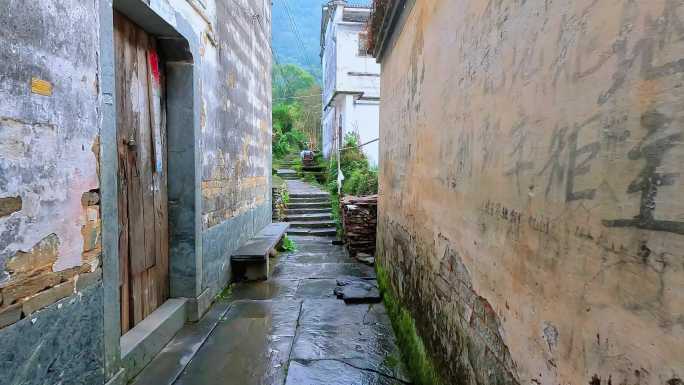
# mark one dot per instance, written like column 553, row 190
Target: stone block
column 42, row 255
column 146, row 339
column 68, row 274
column 46, row 298
column 85, row 280
column 30, row 286
column 10, row 315
column 9, row 205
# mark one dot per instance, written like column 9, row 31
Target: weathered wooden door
column 141, row 135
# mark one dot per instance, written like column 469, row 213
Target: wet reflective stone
column 262, row 290
column 331, row 372
column 322, row 270
column 358, row 291
column 316, row 288
column 360, row 335
column 292, row 329
column 251, row 345
column 318, row 257
column 337, row 313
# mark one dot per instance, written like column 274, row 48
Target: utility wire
column 297, row 33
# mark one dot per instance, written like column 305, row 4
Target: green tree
column 288, row 81
column 296, row 112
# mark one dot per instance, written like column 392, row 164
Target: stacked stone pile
column 360, row 221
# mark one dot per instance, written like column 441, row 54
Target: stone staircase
column 287, row 168
column 309, row 214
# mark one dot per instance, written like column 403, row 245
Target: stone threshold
column 142, row 343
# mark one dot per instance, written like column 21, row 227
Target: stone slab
column 142, row 343
column 313, row 232
column 39, row 354
column 332, row 372
column 249, row 346
column 263, row 290
column 316, row 289
column 168, row 365
column 318, row 257
column 359, row 291
column 322, row 270
column 360, row 335
column 257, row 249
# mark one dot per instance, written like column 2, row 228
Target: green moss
column 226, row 293
column 412, row 348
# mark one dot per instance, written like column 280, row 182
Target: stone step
column 308, row 206
column 309, row 200
column 308, row 217
column 313, row 224
column 310, row 195
column 313, row 169
column 312, row 232
column 289, row 177
column 307, row 211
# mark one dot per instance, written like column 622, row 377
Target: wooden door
column 141, row 136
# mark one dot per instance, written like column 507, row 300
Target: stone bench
column 251, row 261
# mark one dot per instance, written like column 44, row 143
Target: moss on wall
column 413, row 352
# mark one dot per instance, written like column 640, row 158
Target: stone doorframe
column 179, row 44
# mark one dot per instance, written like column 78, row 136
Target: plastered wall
column 51, row 296
column 531, row 211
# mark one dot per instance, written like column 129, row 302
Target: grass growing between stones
column 226, row 293
column 412, row 348
column 336, row 214
column 287, row 245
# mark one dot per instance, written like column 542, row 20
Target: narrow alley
column 291, row 329
column 342, row 192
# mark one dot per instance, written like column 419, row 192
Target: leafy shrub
column 287, row 245
column 360, row 178
column 361, row 182
column 286, row 138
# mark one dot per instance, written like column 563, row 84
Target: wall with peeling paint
column 50, row 226
column 48, row 144
column 236, row 133
column 49, row 205
column 530, row 189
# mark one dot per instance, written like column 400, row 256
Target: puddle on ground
column 250, row 345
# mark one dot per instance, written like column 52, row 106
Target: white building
column 351, row 79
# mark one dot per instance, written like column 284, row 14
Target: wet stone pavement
column 289, row 330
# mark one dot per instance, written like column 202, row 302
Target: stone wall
column 530, row 187
column 235, row 120
column 360, row 223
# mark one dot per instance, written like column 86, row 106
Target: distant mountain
column 306, row 16
column 303, row 16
